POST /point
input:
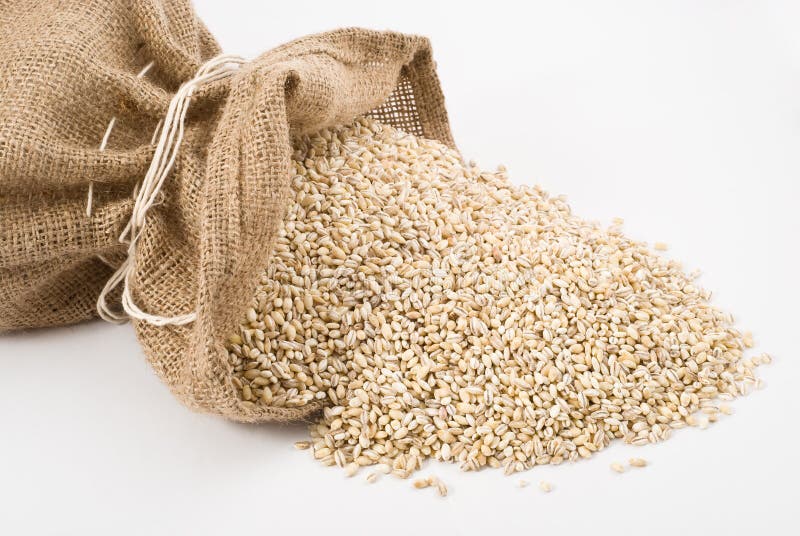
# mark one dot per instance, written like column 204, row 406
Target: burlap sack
column 68, row 67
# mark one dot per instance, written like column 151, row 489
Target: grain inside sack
column 144, row 174
column 439, row 311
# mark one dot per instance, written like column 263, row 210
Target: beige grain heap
column 438, row 311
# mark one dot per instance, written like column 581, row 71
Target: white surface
column 681, row 117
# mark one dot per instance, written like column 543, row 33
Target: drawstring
column 166, row 151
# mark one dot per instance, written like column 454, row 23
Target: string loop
column 169, row 142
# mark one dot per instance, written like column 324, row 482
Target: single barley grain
column 747, row 339
column 350, row 469
column 545, row 486
column 617, row 467
column 637, row 462
column 384, row 468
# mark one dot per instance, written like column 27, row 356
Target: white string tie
column 169, row 141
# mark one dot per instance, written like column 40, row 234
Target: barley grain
column 384, row 468
column 438, row 311
column 747, row 340
column 350, row 469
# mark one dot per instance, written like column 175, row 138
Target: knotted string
column 170, row 138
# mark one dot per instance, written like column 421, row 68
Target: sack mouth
column 76, row 139
column 302, row 87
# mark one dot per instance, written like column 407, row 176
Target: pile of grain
column 441, row 312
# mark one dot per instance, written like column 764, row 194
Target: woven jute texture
column 68, row 67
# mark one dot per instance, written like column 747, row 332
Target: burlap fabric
column 68, row 67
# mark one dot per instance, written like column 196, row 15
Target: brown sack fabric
column 67, row 68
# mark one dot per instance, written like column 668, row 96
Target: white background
column 681, row 117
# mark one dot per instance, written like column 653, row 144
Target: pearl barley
column 438, row 311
